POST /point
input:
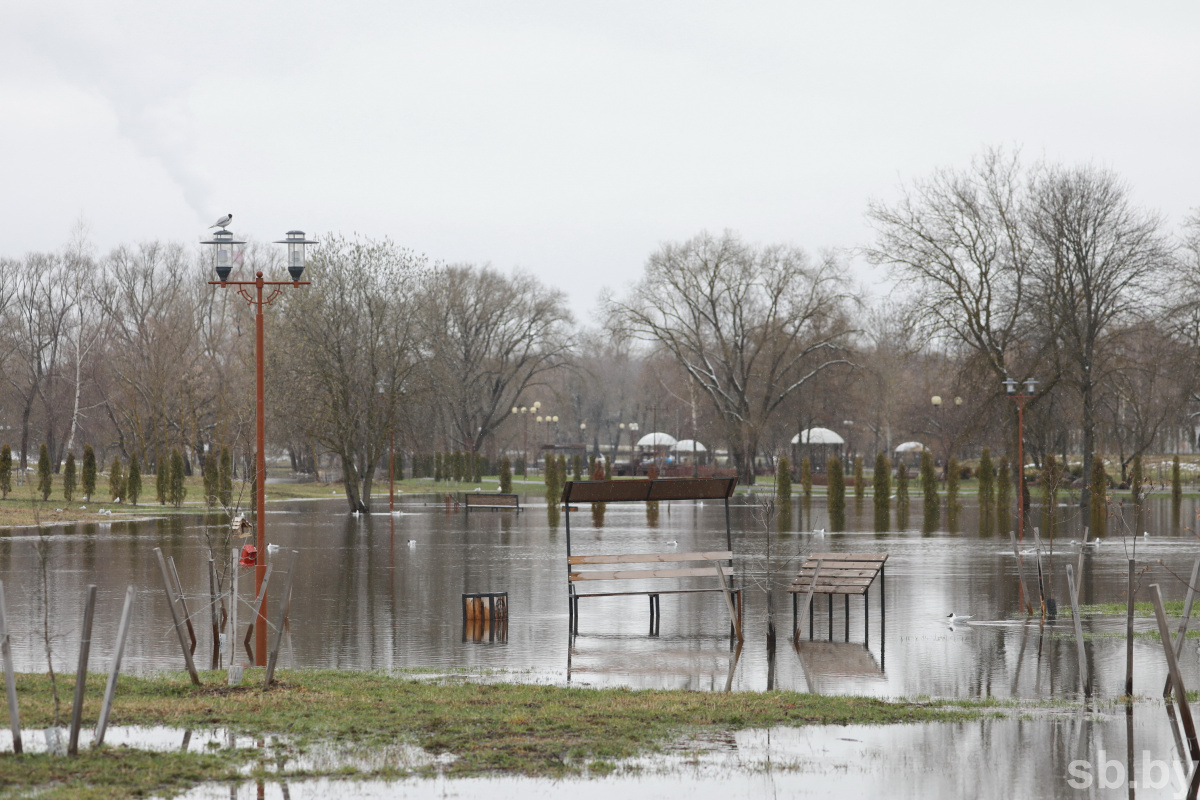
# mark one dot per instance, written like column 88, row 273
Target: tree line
column 1000, row 269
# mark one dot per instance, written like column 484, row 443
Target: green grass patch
column 1173, row 608
column 490, row 728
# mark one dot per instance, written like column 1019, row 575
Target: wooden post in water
column 1079, row 568
column 187, row 653
column 233, row 609
column 111, row 688
column 733, row 617
column 283, row 612
column 1129, row 632
column 1037, row 544
column 10, row 679
column 187, row 616
column 1021, row 573
column 262, row 593
column 85, row 646
column 1185, row 712
column 1083, row 670
column 1188, row 600
column 216, row 615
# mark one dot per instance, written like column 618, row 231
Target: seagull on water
column 953, row 618
column 223, row 222
column 1093, row 544
column 412, row 542
column 272, row 548
column 672, row 543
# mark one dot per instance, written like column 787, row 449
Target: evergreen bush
column 1099, row 497
column 69, row 477
column 177, row 491
column 5, row 471
column 225, row 478
column 883, row 491
column 133, row 483
column 837, row 494
column 88, row 476
column 45, row 474
column 506, row 476
column 116, row 480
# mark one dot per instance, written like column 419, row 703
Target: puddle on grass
column 278, row 754
column 994, row 757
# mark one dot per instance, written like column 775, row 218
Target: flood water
column 364, row 597
column 384, row 592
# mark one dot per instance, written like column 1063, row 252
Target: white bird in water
column 953, row 618
column 272, row 548
column 223, row 222
column 412, row 542
column 1094, row 544
column 672, row 543
column 819, row 532
column 1030, row 552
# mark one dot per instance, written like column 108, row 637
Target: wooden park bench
column 495, row 501
column 683, row 570
column 838, row 573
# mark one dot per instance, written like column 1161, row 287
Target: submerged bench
column 838, row 573
column 494, row 501
column 687, row 569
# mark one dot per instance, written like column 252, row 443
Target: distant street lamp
column 936, row 402
column 224, row 245
column 1010, row 388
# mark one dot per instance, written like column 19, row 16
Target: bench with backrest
column 494, row 501
column 672, row 572
column 837, row 573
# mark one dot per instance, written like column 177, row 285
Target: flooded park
column 384, row 592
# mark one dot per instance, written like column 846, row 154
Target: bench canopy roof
column 657, row 489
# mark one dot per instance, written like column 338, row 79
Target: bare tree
column 488, row 338
column 1096, row 258
column 342, row 352
column 749, row 325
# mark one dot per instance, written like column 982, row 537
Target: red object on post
column 249, row 555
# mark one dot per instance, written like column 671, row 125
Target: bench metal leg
column 867, row 617
column 830, row 596
column 811, row 616
column 847, row 638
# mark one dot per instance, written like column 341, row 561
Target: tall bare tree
column 750, row 325
column 488, row 337
column 1096, row 260
column 342, row 352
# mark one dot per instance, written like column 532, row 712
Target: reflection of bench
column 691, row 567
column 838, row 573
column 492, row 501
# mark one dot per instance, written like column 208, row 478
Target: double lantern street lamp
column 1010, row 389
column 224, row 248
column 525, row 411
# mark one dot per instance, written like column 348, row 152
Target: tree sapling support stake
column 111, row 688
column 10, row 680
column 85, row 646
column 187, row 654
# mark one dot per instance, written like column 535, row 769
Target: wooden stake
column 1079, row 568
column 111, row 688
column 257, row 605
column 1037, row 544
column 233, row 609
column 187, row 654
column 1189, row 599
column 1020, row 573
column 1083, row 676
column 215, row 614
column 187, row 616
column 283, row 612
column 737, row 623
column 10, row 680
column 1185, row 712
column 85, row 646
column 1129, row 591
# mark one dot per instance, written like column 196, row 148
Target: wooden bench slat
column 735, row 590
column 827, row 567
column 634, row 574
column 840, row 573
column 830, row 589
column 634, row 558
column 848, row 556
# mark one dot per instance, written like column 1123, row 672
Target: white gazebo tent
column 909, row 453
column 654, row 446
column 817, row 444
column 689, row 451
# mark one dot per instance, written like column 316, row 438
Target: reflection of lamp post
column 1010, row 388
column 224, row 244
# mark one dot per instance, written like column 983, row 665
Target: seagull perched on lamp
column 223, row 222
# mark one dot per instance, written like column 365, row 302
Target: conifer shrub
column 133, row 481
column 45, row 474
column 116, row 480
column 837, row 494
column 70, row 478
column 88, row 474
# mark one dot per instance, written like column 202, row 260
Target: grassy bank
column 489, row 728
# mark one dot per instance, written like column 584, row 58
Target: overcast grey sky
column 567, row 139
